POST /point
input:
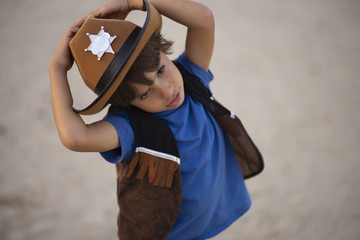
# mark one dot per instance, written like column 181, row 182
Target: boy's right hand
column 62, row 59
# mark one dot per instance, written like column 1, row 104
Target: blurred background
column 289, row 69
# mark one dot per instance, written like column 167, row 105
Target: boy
column 176, row 150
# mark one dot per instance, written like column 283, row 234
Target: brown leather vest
column 149, row 183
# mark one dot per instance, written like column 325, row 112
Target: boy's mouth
column 175, row 101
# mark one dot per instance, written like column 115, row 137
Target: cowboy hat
column 105, row 49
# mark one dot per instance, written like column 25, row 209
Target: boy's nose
column 166, row 90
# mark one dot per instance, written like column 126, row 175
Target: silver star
column 100, row 43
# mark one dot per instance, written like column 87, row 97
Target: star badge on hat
column 100, row 43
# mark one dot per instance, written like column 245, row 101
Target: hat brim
column 124, row 59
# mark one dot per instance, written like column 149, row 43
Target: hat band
column 117, row 64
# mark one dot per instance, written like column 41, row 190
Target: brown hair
column 147, row 61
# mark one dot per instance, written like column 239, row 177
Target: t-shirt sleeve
column 120, row 120
column 205, row 76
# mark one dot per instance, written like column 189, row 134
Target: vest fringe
column 160, row 171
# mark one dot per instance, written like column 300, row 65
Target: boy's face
column 166, row 92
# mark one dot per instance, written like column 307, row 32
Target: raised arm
column 198, row 19
column 73, row 132
column 200, row 24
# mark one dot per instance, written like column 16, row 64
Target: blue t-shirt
column 214, row 192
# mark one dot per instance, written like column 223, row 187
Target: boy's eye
column 145, row 95
column 161, row 70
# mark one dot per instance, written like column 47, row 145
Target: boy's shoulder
column 205, row 76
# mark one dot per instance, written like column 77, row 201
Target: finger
column 97, row 13
column 79, row 22
column 94, row 14
column 70, row 33
column 74, row 29
column 109, row 9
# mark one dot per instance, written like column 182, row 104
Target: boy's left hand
column 117, row 9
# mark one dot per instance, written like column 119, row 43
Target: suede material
column 246, row 153
column 160, row 171
column 146, row 211
column 92, row 69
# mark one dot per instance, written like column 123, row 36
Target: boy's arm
column 197, row 17
column 200, row 27
column 73, row 132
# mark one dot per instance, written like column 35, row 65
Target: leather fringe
column 160, row 171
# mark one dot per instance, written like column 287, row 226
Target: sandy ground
column 289, row 69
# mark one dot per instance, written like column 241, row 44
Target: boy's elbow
column 71, row 142
column 207, row 18
column 71, row 145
